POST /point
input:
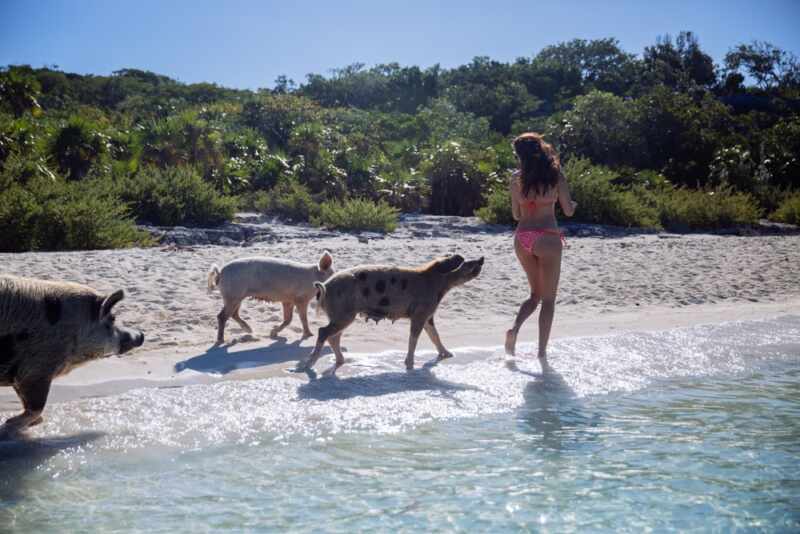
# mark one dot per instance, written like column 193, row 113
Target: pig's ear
column 110, row 301
column 448, row 264
column 325, row 261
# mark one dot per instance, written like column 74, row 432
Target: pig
column 384, row 292
column 271, row 280
column 48, row 328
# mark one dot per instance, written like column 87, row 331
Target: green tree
column 771, row 67
column 19, row 91
column 679, row 64
column 604, row 128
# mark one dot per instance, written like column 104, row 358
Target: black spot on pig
column 362, row 276
column 384, row 301
column 380, row 286
column 52, row 310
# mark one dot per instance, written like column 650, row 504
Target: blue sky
column 247, row 44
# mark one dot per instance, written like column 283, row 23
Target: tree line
column 653, row 133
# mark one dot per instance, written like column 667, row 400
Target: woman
column 535, row 188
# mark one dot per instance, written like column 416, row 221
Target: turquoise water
column 692, row 429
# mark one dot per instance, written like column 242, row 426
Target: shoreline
column 610, row 283
column 263, row 358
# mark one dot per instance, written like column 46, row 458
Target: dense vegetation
column 667, row 139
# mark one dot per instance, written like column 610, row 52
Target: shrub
column 19, row 212
column 788, row 211
column 289, row 200
column 77, row 146
column 357, row 214
column 87, row 216
column 600, row 201
column 177, row 195
column 406, row 190
column 456, row 180
column 54, row 215
column 686, row 209
column 498, row 207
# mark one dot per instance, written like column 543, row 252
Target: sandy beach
column 611, row 282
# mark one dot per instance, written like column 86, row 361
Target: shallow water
column 689, row 429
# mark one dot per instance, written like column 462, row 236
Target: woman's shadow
column 219, row 359
column 553, row 414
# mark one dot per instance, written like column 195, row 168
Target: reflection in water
column 552, row 413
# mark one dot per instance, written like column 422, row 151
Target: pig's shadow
column 218, row 359
column 21, row 457
column 330, row 387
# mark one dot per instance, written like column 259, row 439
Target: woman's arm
column 513, row 186
column 564, row 199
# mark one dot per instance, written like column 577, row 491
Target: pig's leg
column 287, row 318
column 222, row 318
column 430, row 329
column 334, row 341
column 417, row 324
column 333, row 329
column 229, row 308
column 244, row 325
column 33, row 394
column 302, row 310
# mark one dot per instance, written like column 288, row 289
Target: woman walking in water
column 535, row 188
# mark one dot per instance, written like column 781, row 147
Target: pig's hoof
column 301, row 367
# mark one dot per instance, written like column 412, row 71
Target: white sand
column 637, row 282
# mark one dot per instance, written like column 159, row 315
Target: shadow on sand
column 330, row 387
column 218, row 359
column 553, row 414
column 21, row 456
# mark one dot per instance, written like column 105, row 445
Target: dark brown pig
column 46, row 330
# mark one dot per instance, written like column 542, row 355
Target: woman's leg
column 530, row 266
column 548, row 253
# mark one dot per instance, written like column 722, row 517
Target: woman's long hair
column 538, row 163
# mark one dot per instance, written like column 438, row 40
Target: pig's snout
column 130, row 339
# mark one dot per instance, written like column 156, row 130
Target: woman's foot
column 511, row 342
